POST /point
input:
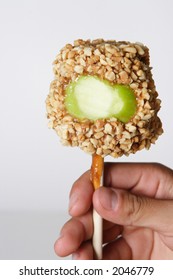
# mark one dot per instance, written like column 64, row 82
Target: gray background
column 36, row 172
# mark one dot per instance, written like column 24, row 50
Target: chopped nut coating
column 119, row 63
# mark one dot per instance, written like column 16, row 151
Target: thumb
column 124, row 208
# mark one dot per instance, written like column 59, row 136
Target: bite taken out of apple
column 92, row 98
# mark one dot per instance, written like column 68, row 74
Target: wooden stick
column 97, row 180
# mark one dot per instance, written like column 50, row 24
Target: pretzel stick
column 96, row 178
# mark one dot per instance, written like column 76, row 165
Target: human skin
column 137, row 207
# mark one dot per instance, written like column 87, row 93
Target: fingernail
column 59, row 244
column 73, row 200
column 108, row 199
column 60, row 238
column 75, row 256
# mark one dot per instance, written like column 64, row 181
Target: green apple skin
column 92, row 98
column 130, row 105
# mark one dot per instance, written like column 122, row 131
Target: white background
column 93, row 270
column 36, row 172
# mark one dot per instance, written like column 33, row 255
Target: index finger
column 81, row 195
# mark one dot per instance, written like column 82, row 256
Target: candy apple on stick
column 103, row 99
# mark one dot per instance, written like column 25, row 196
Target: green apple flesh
column 92, row 98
